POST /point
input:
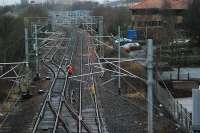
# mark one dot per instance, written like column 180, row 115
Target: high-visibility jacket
column 70, row 70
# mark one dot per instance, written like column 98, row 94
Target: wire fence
column 180, row 76
column 176, row 110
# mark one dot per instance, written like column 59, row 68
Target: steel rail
column 40, row 115
column 62, row 94
column 80, row 89
column 71, row 110
column 57, row 112
column 59, row 69
column 75, row 115
column 47, row 98
column 99, row 125
column 54, row 50
column 63, row 99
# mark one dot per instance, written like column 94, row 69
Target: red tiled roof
column 160, row 4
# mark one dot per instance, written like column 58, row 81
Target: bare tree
column 114, row 17
column 192, row 20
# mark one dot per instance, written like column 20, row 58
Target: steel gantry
column 58, row 105
column 38, row 34
column 92, row 27
column 91, row 24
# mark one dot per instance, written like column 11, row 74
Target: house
column 149, row 16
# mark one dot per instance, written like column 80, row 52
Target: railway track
column 11, row 123
column 59, row 113
column 49, row 114
column 69, row 105
column 87, row 107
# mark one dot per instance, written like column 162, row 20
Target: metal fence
column 176, row 110
column 180, row 114
column 173, row 75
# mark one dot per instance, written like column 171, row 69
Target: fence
column 176, row 110
column 187, row 73
column 176, row 76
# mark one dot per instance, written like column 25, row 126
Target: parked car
column 180, row 41
column 131, row 46
column 122, row 41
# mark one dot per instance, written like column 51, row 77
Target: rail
column 97, row 110
column 178, row 112
column 47, row 98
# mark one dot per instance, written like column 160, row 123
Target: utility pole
column 36, row 52
column 195, row 110
column 146, row 31
column 119, row 63
column 100, row 30
column 26, row 44
column 80, row 90
column 150, row 82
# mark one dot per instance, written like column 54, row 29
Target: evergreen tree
column 193, row 19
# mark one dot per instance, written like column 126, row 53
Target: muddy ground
column 21, row 117
column 127, row 113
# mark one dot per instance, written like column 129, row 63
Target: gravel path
column 122, row 115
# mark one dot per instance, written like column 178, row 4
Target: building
column 64, row 2
column 119, row 3
column 149, row 16
column 24, row 2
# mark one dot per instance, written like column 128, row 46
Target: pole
column 26, row 47
column 36, row 52
column 178, row 73
column 146, row 31
column 150, row 84
column 80, row 90
column 195, row 110
column 119, row 64
column 100, row 30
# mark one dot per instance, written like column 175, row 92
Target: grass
column 136, row 95
column 7, row 105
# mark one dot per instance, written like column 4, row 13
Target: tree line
column 12, row 31
column 192, row 20
column 114, row 17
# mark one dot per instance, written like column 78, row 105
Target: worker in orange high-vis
column 70, row 70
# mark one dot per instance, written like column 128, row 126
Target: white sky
column 9, row 2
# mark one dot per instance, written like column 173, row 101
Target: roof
column 160, row 4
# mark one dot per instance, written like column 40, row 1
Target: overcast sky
column 9, row 2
